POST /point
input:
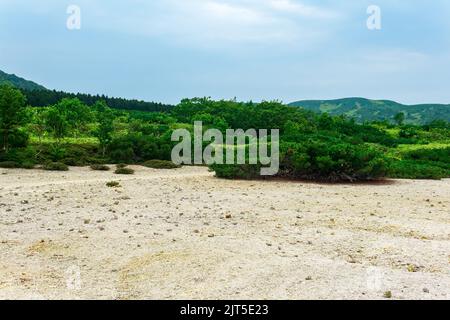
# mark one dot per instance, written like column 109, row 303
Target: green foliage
column 105, row 118
column 399, row 118
column 9, row 164
column 45, row 98
column 124, row 171
column 113, row 184
column 12, row 114
column 69, row 115
column 134, row 148
column 79, row 130
column 436, row 155
column 409, row 169
column 160, row 164
column 100, row 167
column 229, row 171
column 18, row 138
column 27, row 165
column 333, row 161
column 318, row 160
column 55, row 166
column 56, row 123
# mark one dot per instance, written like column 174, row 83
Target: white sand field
column 184, row 234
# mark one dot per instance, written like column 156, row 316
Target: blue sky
column 166, row 50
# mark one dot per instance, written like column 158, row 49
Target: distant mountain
column 377, row 110
column 18, row 82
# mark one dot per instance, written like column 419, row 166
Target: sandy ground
column 183, row 234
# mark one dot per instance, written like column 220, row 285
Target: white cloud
column 220, row 23
column 299, row 8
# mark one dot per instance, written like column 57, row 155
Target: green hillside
column 38, row 96
column 377, row 110
column 19, row 82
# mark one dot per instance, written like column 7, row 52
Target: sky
column 166, row 50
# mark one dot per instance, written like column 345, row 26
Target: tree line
column 43, row 98
column 313, row 146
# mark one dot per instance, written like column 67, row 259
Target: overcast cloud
column 166, row 50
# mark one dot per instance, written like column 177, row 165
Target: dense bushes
column 336, row 161
column 233, row 171
column 13, row 165
column 438, row 155
column 409, row 169
column 82, row 130
column 9, row 164
column 134, row 148
column 318, row 160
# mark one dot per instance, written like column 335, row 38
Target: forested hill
column 378, row 110
column 42, row 98
column 39, row 96
column 19, row 82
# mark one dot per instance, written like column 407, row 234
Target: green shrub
column 9, row 164
column 100, row 167
column 137, row 147
column 438, row 155
column 70, row 154
column 160, row 164
column 409, row 169
column 227, row 171
column 121, row 165
column 113, row 184
column 55, row 166
column 27, row 165
column 18, row 138
column 124, row 171
column 73, row 162
column 333, row 160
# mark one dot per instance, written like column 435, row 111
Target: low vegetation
column 122, row 169
column 72, row 131
column 100, row 167
column 160, row 164
column 9, row 164
column 113, row 184
column 55, row 166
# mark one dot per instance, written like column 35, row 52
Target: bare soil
column 184, row 234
